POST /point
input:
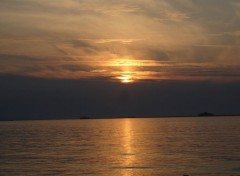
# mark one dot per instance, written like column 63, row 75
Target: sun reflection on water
column 129, row 156
column 128, row 136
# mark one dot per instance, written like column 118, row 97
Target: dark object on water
column 205, row 114
column 85, row 117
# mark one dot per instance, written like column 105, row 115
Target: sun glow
column 126, row 67
column 126, row 79
column 125, row 63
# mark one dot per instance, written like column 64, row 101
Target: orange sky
column 126, row 41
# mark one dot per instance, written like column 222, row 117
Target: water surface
column 124, row 147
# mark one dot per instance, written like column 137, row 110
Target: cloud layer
column 144, row 39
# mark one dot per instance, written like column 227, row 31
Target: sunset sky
column 122, row 46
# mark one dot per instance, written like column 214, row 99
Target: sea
column 193, row 146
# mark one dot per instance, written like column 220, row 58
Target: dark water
column 122, row 147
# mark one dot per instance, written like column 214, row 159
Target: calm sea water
column 121, row 147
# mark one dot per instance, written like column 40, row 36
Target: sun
column 126, row 69
column 126, row 79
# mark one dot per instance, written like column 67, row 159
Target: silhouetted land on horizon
column 205, row 114
column 130, row 117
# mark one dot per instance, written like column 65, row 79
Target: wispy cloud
column 162, row 39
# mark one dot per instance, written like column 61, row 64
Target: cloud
column 63, row 37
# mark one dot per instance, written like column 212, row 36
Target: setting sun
column 126, row 79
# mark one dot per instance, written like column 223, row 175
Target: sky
column 65, row 58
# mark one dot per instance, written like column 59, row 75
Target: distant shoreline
column 130, row 117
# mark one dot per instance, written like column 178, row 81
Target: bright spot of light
column 126, row 79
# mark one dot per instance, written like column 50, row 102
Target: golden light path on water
column 128, row 141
